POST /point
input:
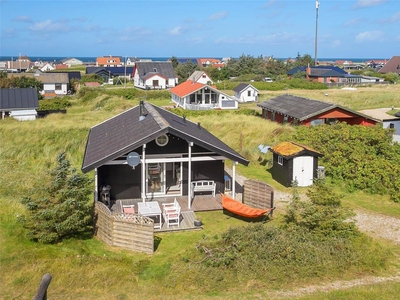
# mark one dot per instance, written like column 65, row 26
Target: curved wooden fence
column 134, row 232
column 258, row 194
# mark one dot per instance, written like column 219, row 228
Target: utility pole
column 316, row 32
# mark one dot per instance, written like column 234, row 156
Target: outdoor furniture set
column 171, row 212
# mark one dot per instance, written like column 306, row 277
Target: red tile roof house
column 179, row 150
column 154, row 75
column 302, row 111
column 197, row 96
column 108, row 61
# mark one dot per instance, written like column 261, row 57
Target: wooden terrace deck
column 188, row 216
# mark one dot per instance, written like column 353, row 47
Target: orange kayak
column 241, row 209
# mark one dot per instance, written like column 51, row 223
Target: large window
column 317, row 122
column 248, row 93
column 155, row 82
column 58, row 86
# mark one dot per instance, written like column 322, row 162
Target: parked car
column 267, row 79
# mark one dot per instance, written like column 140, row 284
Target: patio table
column 150, row 209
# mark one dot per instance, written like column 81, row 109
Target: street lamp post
column 316, row 31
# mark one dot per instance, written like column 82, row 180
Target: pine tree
column 60, row 209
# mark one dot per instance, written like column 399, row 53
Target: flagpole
column 316, row 32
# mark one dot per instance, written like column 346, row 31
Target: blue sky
column 281, row 28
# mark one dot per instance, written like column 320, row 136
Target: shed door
column 303, row 170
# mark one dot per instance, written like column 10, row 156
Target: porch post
column 233, row 179
column 144, row 172
column 190, row 175
column 96, row 185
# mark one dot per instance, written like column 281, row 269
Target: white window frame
column 280, row 160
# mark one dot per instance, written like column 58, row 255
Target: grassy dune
column 89, row 269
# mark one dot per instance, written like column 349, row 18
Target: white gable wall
column 249, row 94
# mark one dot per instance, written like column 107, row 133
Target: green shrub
column 54, row 104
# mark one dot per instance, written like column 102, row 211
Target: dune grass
column 89, row 269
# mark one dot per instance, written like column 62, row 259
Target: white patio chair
column 172, row 213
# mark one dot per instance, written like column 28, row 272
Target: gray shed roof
column 17, row 99
column 242, row 86
column 125, row 132
column 301, row 108
column 164, row 68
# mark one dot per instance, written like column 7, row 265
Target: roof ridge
column 156, row 115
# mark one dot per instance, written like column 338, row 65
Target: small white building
column 245, row 92
column 19, row 103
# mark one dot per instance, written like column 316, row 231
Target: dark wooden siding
column 124, row 181
column 282, row 173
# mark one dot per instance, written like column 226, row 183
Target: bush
column 54, row 104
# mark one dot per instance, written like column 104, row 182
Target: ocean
column 87, row 59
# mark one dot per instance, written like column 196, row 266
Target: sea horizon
column 87, row 59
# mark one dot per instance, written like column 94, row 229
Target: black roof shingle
column 20, row 98
column 125, row 132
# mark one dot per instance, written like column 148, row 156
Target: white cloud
column 269, row 3
column 368, row 3
column 50, row 26
column 218, row 16
column 335, row 43
column 369, row 36
column 395, row 18
column 176, row 31
column 278, row 38
column 25, row 19
column 352, row 22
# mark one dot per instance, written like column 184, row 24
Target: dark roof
column 242, row 86
column 115, row 71
column 71, row 75
column 315, row 70
column 393, row 65
column 185, row 60
column 15, row 99
column 109, row 139
column 302, row 108
column 164, row 68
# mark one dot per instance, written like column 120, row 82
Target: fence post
column 41, row 293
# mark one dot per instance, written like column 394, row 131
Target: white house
column 154, row 75
column 197, row 96
column 46, row 67
column 71, row 62
column 54, row 83
column 201, row 77
column 246, row 93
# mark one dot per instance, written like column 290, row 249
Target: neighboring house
column 130, row 61
column 110, row 72
column 326, row 74
column 108, row 61
column 20, row 103
column 393, row 65
column 371, row 79
column 197, row 96
column 71, row 62
column 302, row 111
column 245, row 92
column 46, row 67
column 61, row 67
column 205, row 62
column 16, row 66
column 294, row 162
column 201, row 77
column 53, row 83
column 168, row 152
column 154, row 75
